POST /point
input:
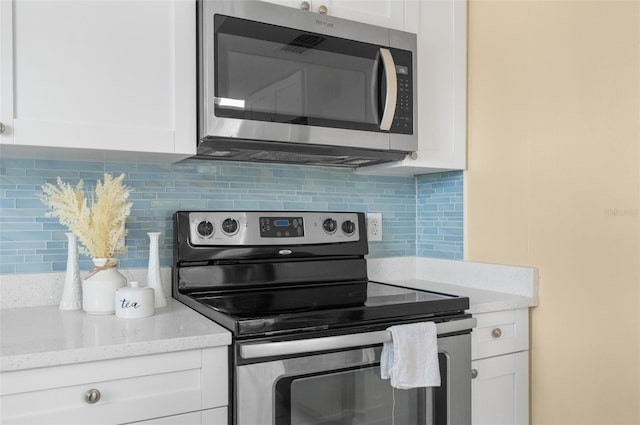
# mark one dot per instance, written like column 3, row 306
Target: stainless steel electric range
column 308, row 325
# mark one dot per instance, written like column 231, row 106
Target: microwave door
column 390, row 88
column 278, row 75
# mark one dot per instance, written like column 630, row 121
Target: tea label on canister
column 134, row 301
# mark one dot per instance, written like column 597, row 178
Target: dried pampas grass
column 99, row 222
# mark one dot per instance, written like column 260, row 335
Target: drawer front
column 500, row 332
column 117, row 391
column 205, row 417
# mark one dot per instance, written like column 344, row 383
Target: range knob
column 329, row 225
column 348, row 227
column 230, row 226
column 205, row 229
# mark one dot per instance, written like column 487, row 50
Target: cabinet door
column 108, row 76
column 384, row 13
column 288, row 3
column 6, row 72
column 500, row 390
column 442, row 88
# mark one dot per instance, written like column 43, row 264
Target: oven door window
column 354, row 396
column 269, row 73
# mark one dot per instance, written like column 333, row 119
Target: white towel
column 411, row 358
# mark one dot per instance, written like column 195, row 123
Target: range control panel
column 272, row 228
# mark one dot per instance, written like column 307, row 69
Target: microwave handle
column 392, row 89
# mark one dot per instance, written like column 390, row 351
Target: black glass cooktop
column 320, row 306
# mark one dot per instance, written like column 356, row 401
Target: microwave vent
column 231, row 149
column 296, row 158
column 302, row 43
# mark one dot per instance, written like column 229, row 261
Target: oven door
column 324, row 381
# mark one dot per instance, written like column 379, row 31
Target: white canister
column 134, row 302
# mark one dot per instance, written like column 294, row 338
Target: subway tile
column 33, row 268
column 7, row 203
column 8, row 268
column 50, row 176
column 18, row 163
column 50, row 164
column 21, row 244
column 13, row 172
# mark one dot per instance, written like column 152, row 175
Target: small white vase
column 99, row 289
column 153, row 272
column 72, row 292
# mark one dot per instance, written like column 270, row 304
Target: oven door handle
column 281, row 348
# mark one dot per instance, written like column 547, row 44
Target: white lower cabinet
column 185, row 387
column 205, row 417
column 500, row 390
column 500, row 368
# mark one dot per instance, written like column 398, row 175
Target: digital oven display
column 281, row 227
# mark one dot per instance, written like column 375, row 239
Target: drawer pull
column 474, row 373
column 92, row 396
column 496, row 333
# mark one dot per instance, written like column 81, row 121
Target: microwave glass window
column 270, row 73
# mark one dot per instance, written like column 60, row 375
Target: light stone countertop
column 34, row 337
column 480, row 300
column 35, row 333
column 490, row 287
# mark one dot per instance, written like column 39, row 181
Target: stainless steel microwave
column 278, row 84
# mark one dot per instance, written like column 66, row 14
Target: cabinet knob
column 496, row 333
column 92, row 396
column 1, row 128
column 474, row 373
column 323, row 10
column 305, row 5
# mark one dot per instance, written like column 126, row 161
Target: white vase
column 99, row 289
column 72, row 292
column 153, row 272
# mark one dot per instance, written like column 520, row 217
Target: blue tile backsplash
column 421, row 216
column 440, row 216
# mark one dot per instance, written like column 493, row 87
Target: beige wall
column 554, row 182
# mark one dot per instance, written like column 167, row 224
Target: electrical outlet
column 374, row 226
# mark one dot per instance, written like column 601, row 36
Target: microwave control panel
column 403, row 119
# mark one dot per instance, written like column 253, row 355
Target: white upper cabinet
column 441, row 26
column 384, row 13
column 6, row 72
column 100, row 77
